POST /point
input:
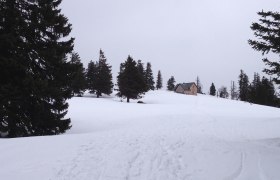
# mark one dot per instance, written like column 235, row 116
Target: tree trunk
column 127, row 99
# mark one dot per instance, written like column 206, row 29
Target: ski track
column 172, row 137
column 153, row 161
column 236, row 174
column 260, row 169
column 154, row 157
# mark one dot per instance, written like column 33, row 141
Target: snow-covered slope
column 172, row 136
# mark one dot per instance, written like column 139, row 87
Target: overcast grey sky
column 184, row 38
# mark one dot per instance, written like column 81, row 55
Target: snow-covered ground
column 172, row 136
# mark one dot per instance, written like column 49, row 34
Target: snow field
column 172, row 136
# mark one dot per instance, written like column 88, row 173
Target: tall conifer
column 243, row 86
column 130, row 82
column 159, row 81
column 14, row 75
column 36, row 49
column 199, row 85
column 149, row 78
column 91, row 76
column 78, row 82
column 141, row 70
column 212, row 90
column 104, row 82
column 268, row 41
column 233, row 91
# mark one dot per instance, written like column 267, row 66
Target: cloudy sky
column 184, row 38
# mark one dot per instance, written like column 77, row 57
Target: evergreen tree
column 267, row 33
column 262, row 91
column 223, row 92
column 243, row 86
column 78, row 83
column 140, row 67
column 49, row 47
column 91, row 76
column 141, row 70
column 199, row 86
column 104, row 82
column 119, row 81
column 267, row 92
column 233, row 91
column 159, row 81
column 36, row 48
column 171, row 84
column 254, row 89
column 212, row 90
column 14, row 76
column 130, row 82
column 149, row 77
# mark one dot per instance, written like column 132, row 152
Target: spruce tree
column 36, row 48
column 223, row 92
column 199, row 85
column 254, row 89
column 130, row 82
column 159, row 81
column 141, row 70
column 171, row 84
column 140, row 67
column 233, row 91
column 268, row 41
column 120, row 82
column 91, row 76
column 78, row 83
column 104, row 82
column 14, row 76
column 149, row 77
column 212, row 90
column 267, row 92
column 263, row 91
column 243, row 86
column 49, row 47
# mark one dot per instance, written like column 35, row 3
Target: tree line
column 133, row 79
column 261, row 90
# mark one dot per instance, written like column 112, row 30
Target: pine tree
column 78, row 83
column 120, row 81
column 149, row 77
column 141, row 70
column 212, row 90
column 104, row 82
column 47, row 37
column 36, row 49
column 199, row 86
column 171, row 84
column 14, row 76
column 130, row 82
column 159, row 81
column 91, row 76
column 233, row 91
column 254, row 89
column 223, row 92
column 264, row 92
column 243, row 86
column 267, row 92
column 140, row 67
column 267, row 32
